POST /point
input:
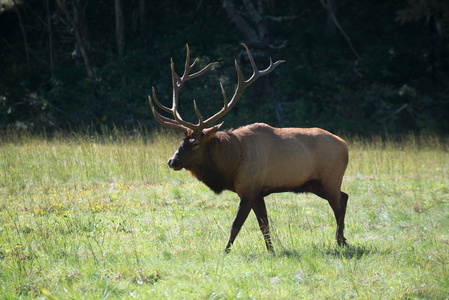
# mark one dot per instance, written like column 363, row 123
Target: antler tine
column 188, row 67
column 163, row 107
column 164, row 120
column 177, row 82
column 242, row 84
column 256, row 72
column 177, row 122
column 200, row 117
column 225, row 99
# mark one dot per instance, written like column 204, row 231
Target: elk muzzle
column 174, row 163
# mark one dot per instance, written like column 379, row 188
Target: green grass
column 103, row 217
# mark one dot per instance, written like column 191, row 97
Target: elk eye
column 195, row 143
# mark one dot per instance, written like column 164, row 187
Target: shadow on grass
column 347, row 252
column 351, row 251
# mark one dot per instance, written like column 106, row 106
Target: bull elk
column 256, row 160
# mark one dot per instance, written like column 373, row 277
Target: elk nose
column 170, row 162
column 174, row 164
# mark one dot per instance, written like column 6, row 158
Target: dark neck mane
column 210, row 174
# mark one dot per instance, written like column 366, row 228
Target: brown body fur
column 257, row 160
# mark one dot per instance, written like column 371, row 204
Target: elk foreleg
column 260, row 210
column 242, row 213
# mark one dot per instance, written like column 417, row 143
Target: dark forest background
column 355, row 67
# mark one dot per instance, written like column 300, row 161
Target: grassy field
column 101, row 217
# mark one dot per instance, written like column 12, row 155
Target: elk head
column 191, row 150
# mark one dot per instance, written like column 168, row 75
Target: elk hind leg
column 338, row 201
column 260, row 210
column 338, row 205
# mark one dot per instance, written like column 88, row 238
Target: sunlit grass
column 103, row 217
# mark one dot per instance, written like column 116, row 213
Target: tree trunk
column 76, row 21
column 338, row 26
column 257, row 38
column 332, row 6
column 248, row 32
column 139, row 22
column 22, row 29
column 50, row 38
column 119, row 27
column 437, row 45
column 80, row 43
column 142, row 19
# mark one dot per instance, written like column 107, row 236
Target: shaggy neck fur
column 219, row 164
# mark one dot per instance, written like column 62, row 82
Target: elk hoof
column 342, row 242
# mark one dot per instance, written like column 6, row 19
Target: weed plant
column 102, row 216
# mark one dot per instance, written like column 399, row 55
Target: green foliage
column 101, row 215
column 322, row 84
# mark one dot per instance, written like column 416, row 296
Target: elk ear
column 210, row 132
column 188, row 132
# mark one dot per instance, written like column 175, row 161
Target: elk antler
column 178, row 123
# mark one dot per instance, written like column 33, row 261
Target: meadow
column 102, row 217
